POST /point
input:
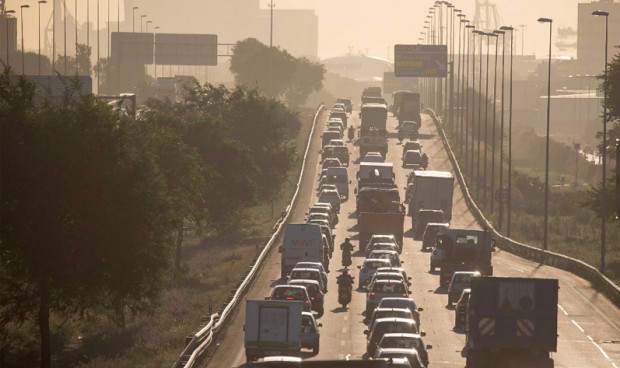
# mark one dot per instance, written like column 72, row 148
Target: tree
column 87, row 219
column 275, row 72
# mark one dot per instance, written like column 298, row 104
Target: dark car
column 424, row 217
column 411, row 145
column 291, row 293
column 460, row 316
column 406, row 341
column 348, row 104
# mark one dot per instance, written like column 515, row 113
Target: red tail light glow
column 371, row 295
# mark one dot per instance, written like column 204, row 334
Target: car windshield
column 381, row 255
column 392, row 313
column 400, row 342
column 373, row 264
column 396, row 327
column 388, row 288
column 398, row 303
column 289, row 294
column 304, row 275
column 463, row 278
column 336, row 179
column 467, row 239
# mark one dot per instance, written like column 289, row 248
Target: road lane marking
column 344, row 329
column 577, row 324
column 342, row 342
column 348, row 357
column 563, row 310
column 602, row 352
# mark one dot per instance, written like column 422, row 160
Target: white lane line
column 577, row 324
column 603, row 352
column 344, row 329
column 348, row 357
column 595, row 344
column 342, row 342
column 563, row 310
column 346, row 317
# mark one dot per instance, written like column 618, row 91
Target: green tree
column 87, row 217
column 81, row 67
column 275, row 72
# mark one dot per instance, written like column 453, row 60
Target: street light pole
column 21, row 14
column 133, row 18
column 599, row 13
column 77, row 68
column 494, row 123
column 6, row 15
column 473, row 105
column 155, row 53
column 501, row 129
column 466, row 91
column 141, row 22
column 546, row 220
column 508, row 215
column 147, row 25
column 40, row 2
column 64, row 17
column 477, row 178
column 486, row 121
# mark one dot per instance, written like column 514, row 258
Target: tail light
column 372, row 295
column 307, row 302
column 289, row 298
column 405, row 295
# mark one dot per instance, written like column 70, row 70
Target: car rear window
column 390, row 313
column 400, row 342
column 388, row 288
column 374, row 264
column 396, row 327
column 387, row 303
column 289, row 294
column 304, row 275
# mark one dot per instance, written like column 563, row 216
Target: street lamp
column 155, row 52
column 40, row 2
column 477, row 177
column 508, row 215
column 466, row 89
column 545, row 236
column 486, row 120
column 77, row 67
column 21, row 13
column 605, row 14
column 501, row 134
column 133, row 18
column 7, row 34
column 459, row 83
column 142, row 22
column 147, row 25
column 494, row 121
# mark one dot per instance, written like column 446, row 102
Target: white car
column 336, row 142
column 330, row 196
column 310, row 335
column 368, row 268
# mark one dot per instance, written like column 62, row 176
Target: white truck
column 431, row 190
column 272, row 327
column 375, row 173
column 302, row 243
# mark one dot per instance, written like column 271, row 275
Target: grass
column 212, row 268
column 573, row 230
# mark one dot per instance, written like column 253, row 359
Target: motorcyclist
column 351, row 133
column 346, row 246
column 401, row 135
column 345, row 280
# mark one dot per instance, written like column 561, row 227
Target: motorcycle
column 351, row 133
column 346, row 259
column 344, row 294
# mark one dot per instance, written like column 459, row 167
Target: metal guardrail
column 202, row 339
column 575, row 266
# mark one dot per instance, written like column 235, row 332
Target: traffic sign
column 421, row 61
column 502, row 195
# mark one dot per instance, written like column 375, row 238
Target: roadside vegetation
column 95, row 206
column 575, row 188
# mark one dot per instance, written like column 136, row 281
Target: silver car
column 368, row 269
column 310, row 334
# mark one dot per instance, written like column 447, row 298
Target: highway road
column 588, row 323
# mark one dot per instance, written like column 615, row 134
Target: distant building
column 591, row 35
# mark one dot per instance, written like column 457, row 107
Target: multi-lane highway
column 588, row 323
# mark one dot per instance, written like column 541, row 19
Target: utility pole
column 522, row 26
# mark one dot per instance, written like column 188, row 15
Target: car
column 396, row 362
column 339, row 114
column 291, row 293
column 424, row 217
column 324, row 210
column 411, row 145
column 410, row 354
column 461, row 280
column 395, row 269
column 339, row 109
column 406, row 341
column 372, row 157
column 390, row 255
column 409, row 129
column 317, row 298
column 430, row 233
column 383, row 246
column 336, row 142
column 383, row 275
column 330, row 162
column 330, row 196
column 407, row 303
column 389, row 312
column 317, row 265
column 347, row 102
column 436, row 257
column 310, row 335
column 340, row 152
column 368, row 268
column 321, row 216
column 413, row 159
column 460, row 310
column 308, row 274
column 324, row 185
column 339, row 105
column 328, row 135
column 382, row 238
column 384, row 289
column 387, row 325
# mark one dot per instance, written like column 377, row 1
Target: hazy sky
column 374, row 26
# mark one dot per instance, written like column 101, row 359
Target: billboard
column 132, row 48
column 429, row 61
column 391, row 83
column 185, row 49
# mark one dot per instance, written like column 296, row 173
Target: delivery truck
column 432, row 190
column 272, row 328
column 302, row 243
column 511, row 322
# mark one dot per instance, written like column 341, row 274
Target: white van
column 302, row 243
column 340, row 178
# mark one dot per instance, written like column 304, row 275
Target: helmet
column 346, row 240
